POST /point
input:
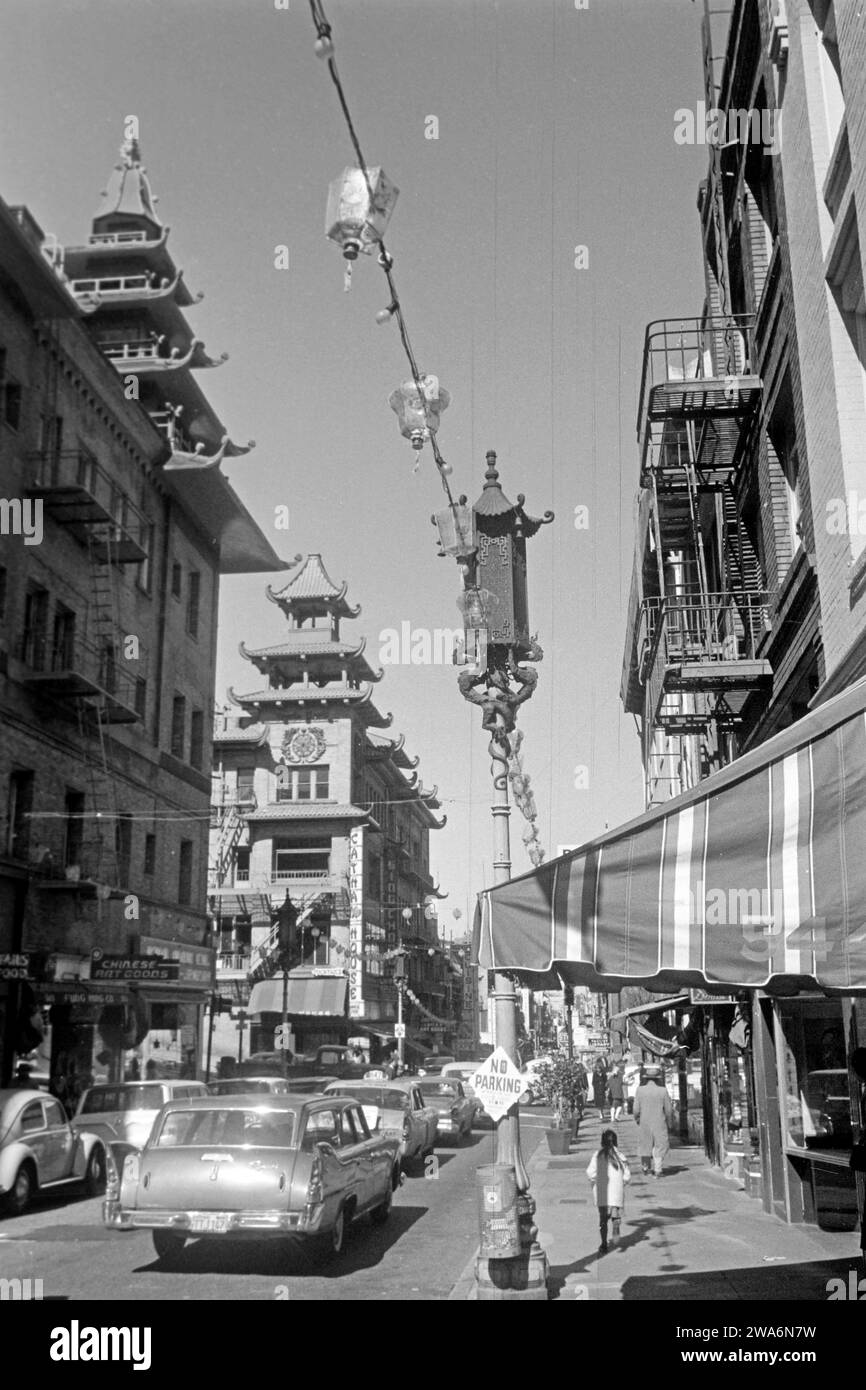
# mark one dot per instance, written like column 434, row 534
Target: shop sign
column 75, row 994
column 16, row 966
column 197, row 963
column 356, row 922
column 703, row 996
column 143, row 968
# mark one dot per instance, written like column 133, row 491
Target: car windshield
column 372, row 1095
column 266, row 1129
column 438, row 1087
column 106, row 1099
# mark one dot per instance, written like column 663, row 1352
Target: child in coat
column 608, row 1171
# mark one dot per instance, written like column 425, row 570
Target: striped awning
column 756, row 878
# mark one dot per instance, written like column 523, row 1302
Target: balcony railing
column 76, row 669
column 702, row 642
column 234, row 960
column 695, row 370
column 83, row 497
column 313, row 876
column 116, row 238
column 114, row 284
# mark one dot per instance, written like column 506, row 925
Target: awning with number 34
column 756, row 878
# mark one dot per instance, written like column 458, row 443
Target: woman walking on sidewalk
column 616, row 1092
column 652, row 1113
column 608, row 1172
column 599, row 1085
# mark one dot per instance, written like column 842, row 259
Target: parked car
column 433, row 1064
column 126, row 1111
column 397, row 1109
column 232, row 1167
column 40, row 1151
column 455, row 1110
column 464, row 1072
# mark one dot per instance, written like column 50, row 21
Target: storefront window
column 816, row 1096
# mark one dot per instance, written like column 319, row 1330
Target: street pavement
column 691, row 1234
column 417, row 1255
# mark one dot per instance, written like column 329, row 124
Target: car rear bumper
column 216, row 1223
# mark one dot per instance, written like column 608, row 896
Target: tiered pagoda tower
column 134, row 295
column 314, row 799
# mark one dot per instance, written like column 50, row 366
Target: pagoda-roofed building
column 125, row 281
column 312, row 799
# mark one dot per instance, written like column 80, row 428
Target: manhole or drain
column 573, row 1201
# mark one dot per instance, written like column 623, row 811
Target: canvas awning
column 756, row 878
column 323, row 996
column 658, row 1006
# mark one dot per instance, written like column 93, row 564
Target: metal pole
column 285, row 1032
column 400, row 1024
column 504, row 995
column 242, row 1018
column 210, row 1036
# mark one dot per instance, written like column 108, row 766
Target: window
column 184, row 884
column 301, row 858
column 175, row 581
column 141, row 697
column 178, row 725
column 3, row 579
column 304, row 784
column 245, row 784
column 196, row 738
column 74, row 828
column 35, row 636
column 192, row 603
column 149, row 855
column 242, row 865
column 55, row 1115
column 31, row 1118
column 123, row 845
column 52, row 446
column 63, row 644
column 144, row 568
column 18, row 811
column 12, row 404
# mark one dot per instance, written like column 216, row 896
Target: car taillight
column 314, row 1190
column 406, row 1126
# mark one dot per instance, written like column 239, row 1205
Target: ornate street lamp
column 495, row 590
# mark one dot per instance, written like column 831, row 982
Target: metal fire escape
column 697, row 643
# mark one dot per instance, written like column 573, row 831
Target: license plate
column 213, row 1225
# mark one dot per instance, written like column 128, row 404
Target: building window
column 3, row 580
column 178, row 725
column 184, row 882
column 144, row 568
column 245, row 786
column 305, row 784
column 149, row 855
column 35, row 636
column 123, row 845
column 12, row 404
column 18, row 811
column 176, row 581
column 52, row 446
column 242, row 865
column 301, row 859
column 63, row 645
column 192, row 603
column 141, row 697
column 817, row 1100
column 196, row 739
column 74, row 828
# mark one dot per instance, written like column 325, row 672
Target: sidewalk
column 691, row 1234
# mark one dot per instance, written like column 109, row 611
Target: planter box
column 559, row 1140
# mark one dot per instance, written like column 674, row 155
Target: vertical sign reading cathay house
column 356, row 921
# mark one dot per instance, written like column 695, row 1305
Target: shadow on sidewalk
column 636, row 1232
column 809, row 1281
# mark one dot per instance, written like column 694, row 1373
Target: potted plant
column 559, row 1083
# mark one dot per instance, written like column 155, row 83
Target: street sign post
column 498, row 1085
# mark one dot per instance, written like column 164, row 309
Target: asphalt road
column 419, row 1253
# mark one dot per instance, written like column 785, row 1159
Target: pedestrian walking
column 599, row 1085
column 608, row 1171
column 616, row 1092
column 652, row 1112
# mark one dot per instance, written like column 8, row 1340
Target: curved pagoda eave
column 314, row 704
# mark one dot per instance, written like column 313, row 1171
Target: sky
column 555, row 130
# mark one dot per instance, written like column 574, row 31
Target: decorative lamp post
column 419, row 412
column 285, row 921
column 494, row 578
column 360, row 203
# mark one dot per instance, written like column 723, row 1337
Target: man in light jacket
column 653, row 1113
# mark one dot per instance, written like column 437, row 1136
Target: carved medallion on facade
column 303, row 746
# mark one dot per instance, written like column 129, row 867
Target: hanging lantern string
column 386, row 261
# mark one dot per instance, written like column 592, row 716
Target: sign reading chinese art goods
column 144, row 968
column 356, row 922
column 498, row 1084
